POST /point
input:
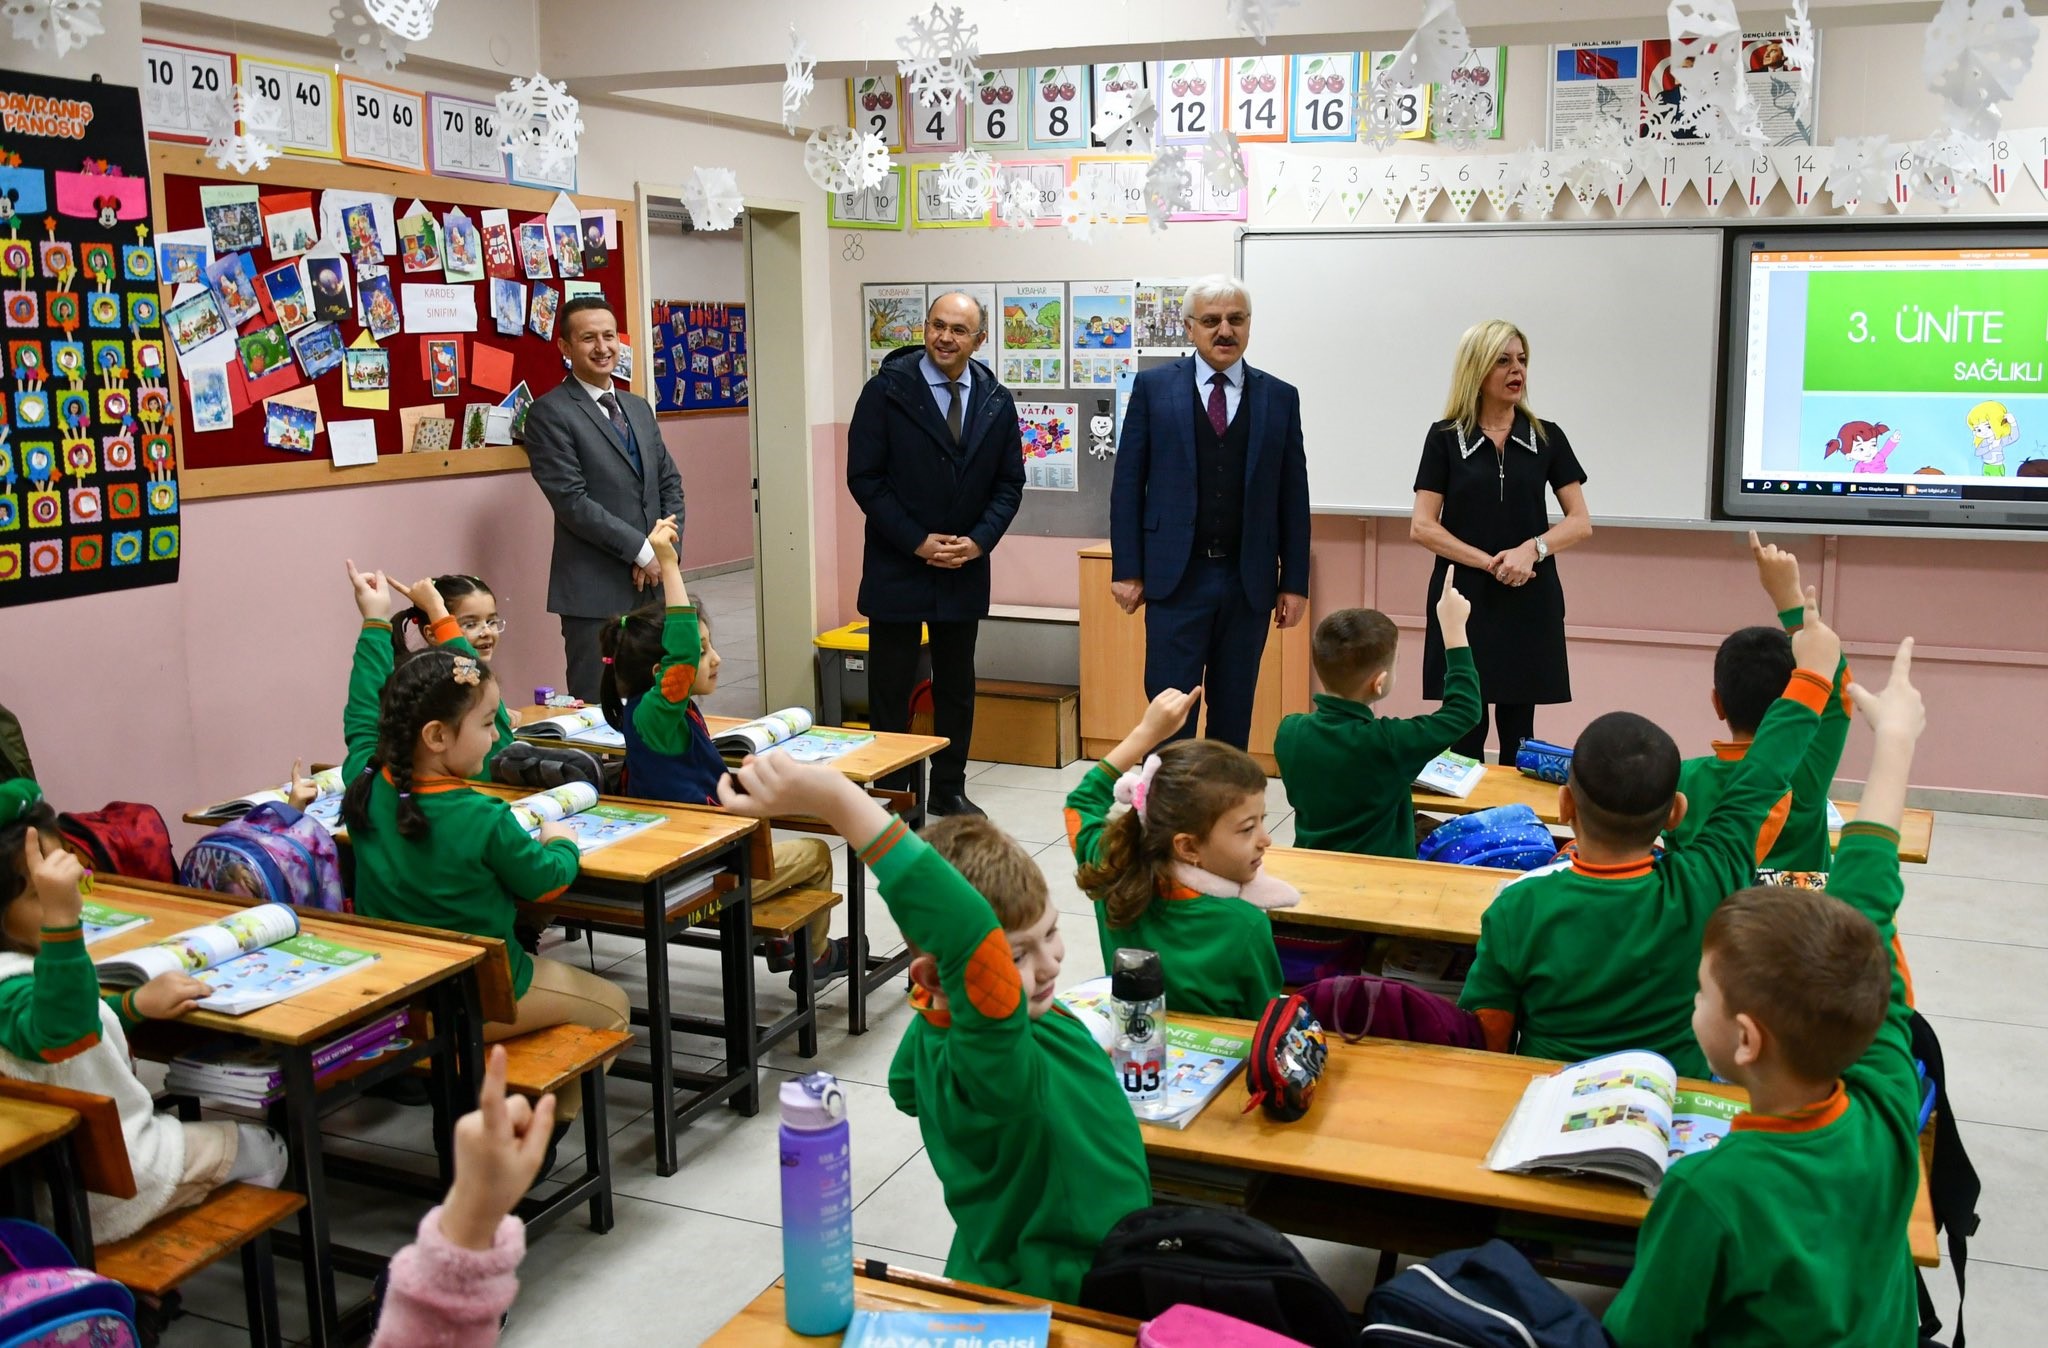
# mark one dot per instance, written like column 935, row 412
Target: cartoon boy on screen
column 1868, row 447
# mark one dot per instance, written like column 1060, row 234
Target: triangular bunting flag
column 2032, row 147
column 1540, row 189
column 1496, row 182
column 1903, row 172
column 1351, row 200
column 1999, row 174
column 1803, row 169
column 1711, row 171
column 1314, row 192
column 1755, row 176
column 1426, row 185
column 1663, row 174
column 1463, row 194
column 1272, row 173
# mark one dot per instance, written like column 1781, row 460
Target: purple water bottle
column 817, row 1206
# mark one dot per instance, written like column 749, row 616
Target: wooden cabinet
column 1113, row 669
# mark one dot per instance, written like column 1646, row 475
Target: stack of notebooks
column 245, row 1073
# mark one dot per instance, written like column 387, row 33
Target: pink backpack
column 46, row 1301
column 1359, row 1005
column 1194, row 1327
column 272, row 854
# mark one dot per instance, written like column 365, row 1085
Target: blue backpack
column 1508, row 836
column 46, row 1300
column 1484, row 1298
column 272, row 854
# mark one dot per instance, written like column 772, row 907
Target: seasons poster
column 88, row 476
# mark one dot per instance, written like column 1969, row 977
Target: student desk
column 887, row 754
column 761, row 1323
column 1505, row 786
column 412, row 965
column 1404, row 1129
column 1386, row 895
column 34, row 1139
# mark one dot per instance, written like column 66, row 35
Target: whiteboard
column 1624, row 333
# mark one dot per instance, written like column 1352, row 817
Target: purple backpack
column 1359, row 1005
column 272, row 854
column 47, row 1301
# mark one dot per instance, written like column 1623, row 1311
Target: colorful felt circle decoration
column 10, row 562
column 163, row 543
column 139, row 261
column 127, row 547
column 106, row 309
column 15, row 257
column 154, row 403
column 85, row 505
column 21, row 309
column 45, row 558
column 87, row 552
column 45, row 511
column 163, row 498
column 10, row 514
column 141, row 311
column 99, row 259
column 64, row 311
column 113, row 405
column 32, row 409
column 124, row 501
column 79, row 458
column 118, row 452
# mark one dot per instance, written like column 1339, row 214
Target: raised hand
column 1898, row 711
column 1815, row 645
column 1168, row 713
column 422, row 595
column 498, row 1151
column 373, row 592
column 1779, row 572
column 57, row 877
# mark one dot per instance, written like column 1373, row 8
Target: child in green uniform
column 1794, row 1229
column 1596, row 953
column 1027, row 1126
column 1349, row 773
column 459, row 614
column 1179, row 872
column 430, row 849
column 1749, row 669
column 57, row 1029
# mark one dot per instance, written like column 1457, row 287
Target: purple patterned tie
column 1219, row 411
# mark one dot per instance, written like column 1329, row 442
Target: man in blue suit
column 1209, row 515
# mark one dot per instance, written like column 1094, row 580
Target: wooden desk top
column 1505, row 786
column 408, row 963
column 761, row 1322
column 1386, row 895
column 886, row 753
column 687, row 835
column 28, row 1125
column 1418, row 1119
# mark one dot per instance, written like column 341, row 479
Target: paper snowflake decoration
column 1601, row 154
column 800, row 76
column 1658, row 117
column 1460, row 117
column 840, row 159
column 233, row 145
column 1947, row 163
column 412, row 20
column 539, row 120
column 712, row 197
column 1715, row 104
column 1091, row 201
column 1125, row 121
column 64, row 25
column 1379, row 113
column 1169, row 186
column 1254, row 18
column 1801, row 53
column 1861, row 171
column 365, row 41
column 939, row 53
column 1017, row 202
column 967, row 182
column 1438, row 46
column 1977, row 53
column 1223, row 161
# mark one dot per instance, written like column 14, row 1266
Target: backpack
column 46, row 1300
column 1311, row 953
column 543, row 767
column 1507, row 836
column 1187, row 1326
column 1952, row 1183
column 1286, row 1060
column 272, row 854
column 123, row 838
column 1544, row 761
column 1387, row 1008
column 1484, row 1298
column 1161, row 1257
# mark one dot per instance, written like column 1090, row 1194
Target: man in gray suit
column 597, row 453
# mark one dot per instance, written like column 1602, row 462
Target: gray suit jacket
column 603, row 511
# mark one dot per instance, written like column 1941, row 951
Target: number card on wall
column 464, row 138
column 1048, row 177
column 877, row 207
column 928, row 202
column 292, row 107
column 875, row 103
column 999, row 109
column 1323, row 89
column 1121, row 177
column 1059, row 108
column 186, row 91
column 525, row 169
column 1255, row 97
column 936, row 128
column 1126, row 80
column 383, row 125
column 1190, row 94
column 1411, row 102
column 1206, row 201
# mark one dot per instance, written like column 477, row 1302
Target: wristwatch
column 1542, row 549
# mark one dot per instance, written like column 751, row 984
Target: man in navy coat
column 935, row 461
column 1209, row 515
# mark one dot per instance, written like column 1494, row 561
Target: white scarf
column 1261, row 891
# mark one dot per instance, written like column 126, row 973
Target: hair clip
column 607, row 659
column 1134, row 786
column 624, row 618
column 465, row 672
column 18, row 795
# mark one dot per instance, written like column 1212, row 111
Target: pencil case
column 1544, row 761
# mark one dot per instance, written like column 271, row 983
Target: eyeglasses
column 1210, row 322
column 957, row 329
column 471, row 626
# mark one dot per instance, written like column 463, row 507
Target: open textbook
column 575, row 806
column 98, row 921
column 585, row 725
column 1621, row 1115
column 791, row 731
column 1199, row 1063
column 251, row 958
column 965, row 1327
column 326, row 807
column 1450, row 774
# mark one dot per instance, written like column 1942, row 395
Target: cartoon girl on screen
column 1866, row 446
column 1992, row 428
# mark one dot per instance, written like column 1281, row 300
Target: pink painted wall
column 716, row 460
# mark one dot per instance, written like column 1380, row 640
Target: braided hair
column 423, row 689
column 632, row 648
column 408, row 621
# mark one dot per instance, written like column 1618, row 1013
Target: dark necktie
column 1219, row 410
column 610, row 402
column 953, row 412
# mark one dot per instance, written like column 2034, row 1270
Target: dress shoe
column 953, row 802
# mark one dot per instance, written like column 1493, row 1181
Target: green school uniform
column 475, row 859
column 1216, row 951
column 1350, row 774
column 447, row 635
column 1802, row 838
column 1795, row 1229
column 1595, row 959
column 1028, row 1130
column 53, row 1014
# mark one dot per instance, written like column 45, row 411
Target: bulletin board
column 698, row 364
column 236, row 461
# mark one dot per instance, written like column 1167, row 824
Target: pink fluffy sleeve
column 443, row 1296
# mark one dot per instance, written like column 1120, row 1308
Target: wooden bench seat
column 789, row 916
column 545, row 1061
column 788, row 913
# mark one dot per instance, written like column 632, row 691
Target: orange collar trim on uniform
column 1807, row 1120
column 1173, row 889
column 921, row 1002
column 429, row 786
column 1731, row 751
column 1623, row 870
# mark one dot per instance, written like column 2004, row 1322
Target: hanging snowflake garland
column 62, row 25
column 967, row 182
column 409, row 20
column 1860, row 171
column 712, row 197
column 1977, row 53
column 364, row 41
column 1439, row 46
column 1017, row 202
column 233, row 144
column 1169, row 186
column 1379, row 111
column 799, row 77
column 1223, row 161
column 1254, row 18
column 539, row 120
column 1125, row 123
column 1801, row 53
column 840, row 159
column 1601, row 154
column 1947, row 163
column 1461, row 117
column 1091, row 201
column 939, row 54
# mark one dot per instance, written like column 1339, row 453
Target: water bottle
column 817, row 1206
column 1137, row 994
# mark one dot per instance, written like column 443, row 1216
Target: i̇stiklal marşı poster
column 88, row 477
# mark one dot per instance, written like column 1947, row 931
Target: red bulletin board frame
column 236, row 462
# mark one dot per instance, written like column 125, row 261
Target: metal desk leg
column 660, row 1060
column 736, row 953
column 302, row 1142
column 70, row 1217
column 857, row 930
